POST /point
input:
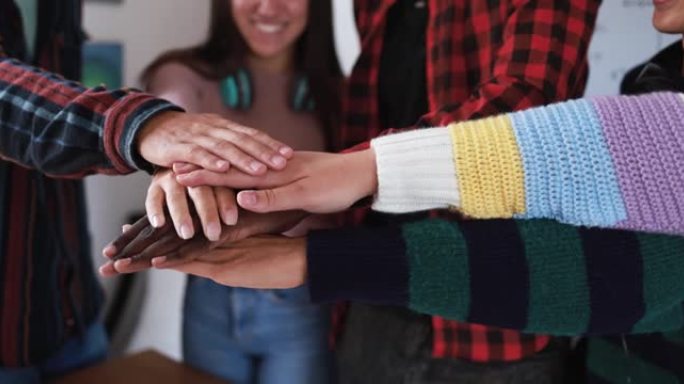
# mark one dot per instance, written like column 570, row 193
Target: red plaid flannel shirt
column 484, row 58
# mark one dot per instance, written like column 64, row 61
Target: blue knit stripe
column 569, row 173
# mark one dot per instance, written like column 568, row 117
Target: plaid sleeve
column 63, row 129
column 538, row 276
column 542, row 59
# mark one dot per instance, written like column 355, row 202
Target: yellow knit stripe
column 489, row 168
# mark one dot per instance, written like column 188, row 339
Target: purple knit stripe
column 641, row 136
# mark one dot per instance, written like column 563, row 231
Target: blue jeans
column 255, row 336
column 76, row 353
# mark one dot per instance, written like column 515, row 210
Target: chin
column 665, row 24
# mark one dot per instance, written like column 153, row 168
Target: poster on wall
column 102, row 64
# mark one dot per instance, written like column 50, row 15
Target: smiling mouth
column 269, row 27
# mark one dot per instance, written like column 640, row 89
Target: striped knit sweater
column 612, row 162
column 536, row 275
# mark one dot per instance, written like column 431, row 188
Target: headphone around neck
column 237, row 92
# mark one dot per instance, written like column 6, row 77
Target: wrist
column 299, row 260
column 364, row 169
column 123, row 128
column 151, row 125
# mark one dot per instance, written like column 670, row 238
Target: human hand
column 315, row 222
column 209, row 141
column 263, row 262
column 316, row 182
column 209, row 203
column 142, row 246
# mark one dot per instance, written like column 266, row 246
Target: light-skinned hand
column 209, row 141
column 316, row 182
column 212, row 204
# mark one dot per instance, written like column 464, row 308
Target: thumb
column 284, row 198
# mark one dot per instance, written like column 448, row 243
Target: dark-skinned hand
column 142, row 246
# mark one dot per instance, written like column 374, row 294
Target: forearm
column 607, row 162
column 537, row 276
column 63, row 129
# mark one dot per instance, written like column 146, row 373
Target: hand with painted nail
column 213, row 205
column 143, row 246
column 316, row 182
column 209, row 141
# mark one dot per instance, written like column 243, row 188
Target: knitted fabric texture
column 644, row 135
column 488, row 167
column 568, row 170
column 609, row 162
column 415, row 171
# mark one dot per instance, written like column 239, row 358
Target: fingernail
column 158, row 261
column 102, row 270
column 285, row 151
column 123, row 263
column 222, row 164
column 247, row 198
column 155, row 221
column 256, row 166
column 278, row 161
column 108, row 251
column 186, row 232
column 229, row 217
column 213, row 231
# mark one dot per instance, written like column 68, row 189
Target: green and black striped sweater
column 538, row 276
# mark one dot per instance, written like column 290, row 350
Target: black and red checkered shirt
column 483, row 58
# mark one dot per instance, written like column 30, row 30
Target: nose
column 269, row 8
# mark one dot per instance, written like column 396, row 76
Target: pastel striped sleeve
column 611, row 162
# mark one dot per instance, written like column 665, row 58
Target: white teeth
column 269, row 28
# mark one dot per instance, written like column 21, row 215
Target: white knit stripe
column 416, row 171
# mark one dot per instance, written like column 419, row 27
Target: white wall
column 624, row 37
column 146, row 28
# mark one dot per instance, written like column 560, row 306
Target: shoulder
column 179, row 84
column 172, row 74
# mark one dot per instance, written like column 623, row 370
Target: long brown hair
column 224, row 51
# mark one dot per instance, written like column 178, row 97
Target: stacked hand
column 210, row 142
column 232, row 252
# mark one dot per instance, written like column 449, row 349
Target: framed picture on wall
column 102, row 64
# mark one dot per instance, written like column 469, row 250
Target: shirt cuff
column 416, row 171
column 359, row 264
column 122, row 127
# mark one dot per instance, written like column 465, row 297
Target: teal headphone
column 236, row 92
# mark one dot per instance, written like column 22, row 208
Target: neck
column 278, row 64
